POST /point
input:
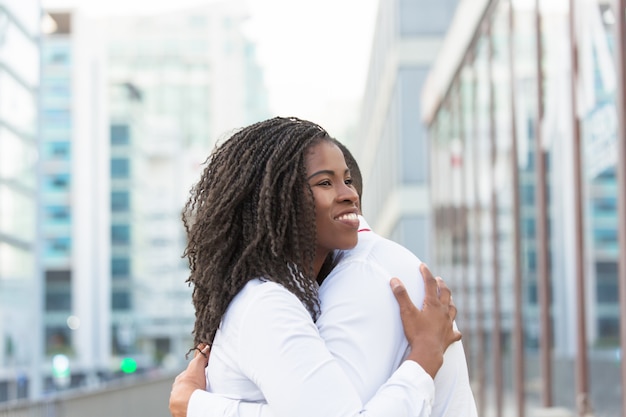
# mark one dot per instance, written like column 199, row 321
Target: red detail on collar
column 364, row 230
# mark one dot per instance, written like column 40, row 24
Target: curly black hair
column 252, row 215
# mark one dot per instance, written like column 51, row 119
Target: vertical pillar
column 581, row 371
column 480, row 331
column 518, row 324
column 542, row 242
column 620, row 37
column 497, row 324
column 463, row 217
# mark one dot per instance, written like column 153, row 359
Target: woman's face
column 335, row 199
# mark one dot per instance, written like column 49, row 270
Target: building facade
column 20, row 278
column 128, row 117
column 177, row 83
column 522, row 113
column 75, row 215
column 390, row 142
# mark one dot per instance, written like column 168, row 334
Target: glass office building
column 19, row 271
column 523, row 114
column 177, row 83
column 390, row 143
column 56, row 139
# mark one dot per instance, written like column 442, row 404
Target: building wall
column 131, row 114
column 178, row 83
column 20, row 276
column 56, row 139
column 75, row 204
column 492, row 98
column 390, row 143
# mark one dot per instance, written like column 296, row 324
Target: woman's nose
column 348, row 193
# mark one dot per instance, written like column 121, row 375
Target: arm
column 453, row 392
column 361, row 325
column 284, row 355
column 454, row 395
column 188, row 381
column 408, row 392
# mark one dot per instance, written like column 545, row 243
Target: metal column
column 464, row 214
column 581, row 371
column 480, row 331
column 518, row 330
column 620, row 37
column 543, row 275
column 497, row 324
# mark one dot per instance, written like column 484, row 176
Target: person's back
column 274, row 202
column 362, row 328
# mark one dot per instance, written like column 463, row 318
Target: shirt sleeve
column 453, row 393
column 282, row 352
column 363, row 330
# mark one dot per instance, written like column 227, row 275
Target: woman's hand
column 188, row 381
column 429, row 331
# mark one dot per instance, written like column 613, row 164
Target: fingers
column 457, row 336
column 202, row 349
column 200, row 357
column 445, row 295
column 430, row 283
column 452, row 309
column 402, row 296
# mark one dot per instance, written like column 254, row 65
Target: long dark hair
column 252, row 215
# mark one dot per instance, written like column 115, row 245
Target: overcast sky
column 321, row 63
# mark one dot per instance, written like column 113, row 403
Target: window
column 120, row 168
column 120, row 267
column 605, row 204
column 527, row 194
column 57, row 182
column 58, row 150
column 608, row 328
column 58, row 246
column 120, row 300
column 58, row 214
column 606, row 268
column 120, row 135
column 605, row 235
column 59, row 57
column 58, row 298
column 532, row 295
column 528, row 227
column 607, row 292
column 531, row 260
column 58, row 340
column 120, row 201
column 58, row 277
column 120, row 234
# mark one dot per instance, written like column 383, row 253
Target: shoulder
column 262, row 298
column 393, row 249
column 370, row 265
column 373, row 248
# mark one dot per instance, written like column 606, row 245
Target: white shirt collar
column 363, row 223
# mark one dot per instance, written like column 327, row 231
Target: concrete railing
column 128, row 398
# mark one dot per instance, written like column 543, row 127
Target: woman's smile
column 336, row 210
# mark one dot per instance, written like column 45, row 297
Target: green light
column 60, row 366
column 128, row 365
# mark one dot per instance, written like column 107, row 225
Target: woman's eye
column 325, row 182
column 348, row 181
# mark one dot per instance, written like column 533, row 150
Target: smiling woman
column 247, row 218
column 256, row 244
column 336, row 211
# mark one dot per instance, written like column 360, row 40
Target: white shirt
column 348, row 363
column 361, row 324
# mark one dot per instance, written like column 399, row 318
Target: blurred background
column 491, row 135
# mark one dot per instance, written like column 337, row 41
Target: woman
column 250, row 220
